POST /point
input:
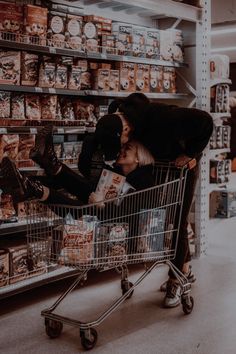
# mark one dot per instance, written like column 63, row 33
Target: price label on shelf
column 38, row 89
column 103, row 55
column 33, row 130
column 60, row 130
column 51, row 90
column 52, row 50
column 3, row 131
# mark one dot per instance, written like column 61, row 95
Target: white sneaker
column 173, row 294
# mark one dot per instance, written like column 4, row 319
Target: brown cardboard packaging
column 32, row 107
column 11, row 18
column 9, row 146
column 5, row 105
column 127, row 76
column 102, row 80
column 4, row 268
column 114, row 80
column 56, row 29
column 169, row 79
column 29, row 69
column 156, row 78
column 10, row 67
column 74, row 32
column 26, row 143
column 142, row 77
column 35, row 24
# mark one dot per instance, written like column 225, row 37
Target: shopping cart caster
column 53, row 328
column 125, row 286
column 88, row 338
column 187, row 304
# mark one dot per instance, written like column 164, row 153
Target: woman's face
column 128, row 156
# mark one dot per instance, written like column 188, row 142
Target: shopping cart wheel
column 88, row 338
column 187, row 304
column 53, row 328
column 125, row 286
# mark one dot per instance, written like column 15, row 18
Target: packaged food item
column 18, row 106
column 219, row 66
column 9, row 144
column 226, row 130
column 47, row 73
column 67, row 110
column 29, row 69
column 56, row 29
column 35, row 24
column 18, row 262
column 127, row 76
column 178, row 46
column 11, row 19
column 114, row 80
column 123, row 34
column 151, row 230
column 152, row 43
column 5, row 104
column 220, row 98
column 218, row 136
column 109, row 185
column 86, row 81
column 142, row 77
column 169, row 79
column 26, row 143
column 49, row 107
column 108, row 43
column 102, row 80
column 21, row 211
column 101, row 110
column 74, row 81
column 139, row 41
column 77, row 246
column 4, row 268
column 166, row 45
column 90, row 37
column 61, row 76
column 74, row 32
column 217, row 173
column 7, row 210
column 32, row 107
column 10, row 67
column 223, row 203
column 156, row 78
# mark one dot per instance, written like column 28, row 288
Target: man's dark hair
column 114, row 105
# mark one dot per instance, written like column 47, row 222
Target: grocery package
column 156, row 78
column 11, row 18
column 74, row 32
column 90, row 37
column 18, row 106
column 142, row 77
column 38, row 256
column 26, row 143
column 151, row 230
column 47, row 73
column 169, row 79
column 223, row 203
column 139, row 41
column 29, row 69
column 220, row 171
column 5, row 104
column 32, row 107
column 152, row 43
column 220, row 98
column 9, row 146
column 7, row 210
column 35, row 24
column 67, row 110
column 4, row 268
column 108, row 43
column 49, row 107
column 219, row 66
column 74, row 81
column 109, row 185
column 56, row 29
column 127, row 76
column 61, row 77
column 10, row 67
column 123, row 35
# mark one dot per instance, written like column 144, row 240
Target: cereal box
column 110, row 184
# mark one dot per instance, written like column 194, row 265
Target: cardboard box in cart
column 223, row 204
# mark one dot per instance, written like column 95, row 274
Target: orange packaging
column 11, row 18
column 142, row 77
column 35, row 21
column 127, row 76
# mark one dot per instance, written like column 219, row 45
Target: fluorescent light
column 215, row 32
column 223, row 49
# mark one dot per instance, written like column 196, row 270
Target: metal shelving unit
column 195, row 23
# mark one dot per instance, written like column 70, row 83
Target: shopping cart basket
column 140, row 227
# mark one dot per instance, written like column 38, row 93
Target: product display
column 26, row 143
column 10, row 67
column 5, row 104
column 29, row 69
column 220, row 98
column 221, row 137
column 219, row 67
column 220, row 171
column 110, row 185
column 73, row 33
column 11, row 18
column 223, row 204
column 35, row 24
column 56, row 29
column 4, row 268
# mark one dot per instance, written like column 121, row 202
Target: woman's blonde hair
column 143, row 154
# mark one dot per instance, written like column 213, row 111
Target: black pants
column 183, row 251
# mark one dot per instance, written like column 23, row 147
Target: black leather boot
column 20, row 187
column 43, row 153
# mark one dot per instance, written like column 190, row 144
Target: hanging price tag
column 52, row 50
column 33, row 130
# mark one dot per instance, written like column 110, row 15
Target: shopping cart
column 140, row 227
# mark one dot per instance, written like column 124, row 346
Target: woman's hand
column 185, row 160
column 96, row 198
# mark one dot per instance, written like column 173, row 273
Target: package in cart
column 123, row 34
column 139, row 41
column 77, row 242
column 7, row 209
column 35, row 24
column 10, row 67
column 156, row 78
column 152, row 43
column 11, row 19
column 110, row 184
column 56, row 29
column 151, row 230
column 4, row 268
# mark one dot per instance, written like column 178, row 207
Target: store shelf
column 39, row 280
column 220, row 81
column 219, row 151
column 101, row 55
column 54, row 91
column 56, row 130
column 220, row 115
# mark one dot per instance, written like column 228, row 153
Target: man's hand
column 96, row 198
column 185, row 160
